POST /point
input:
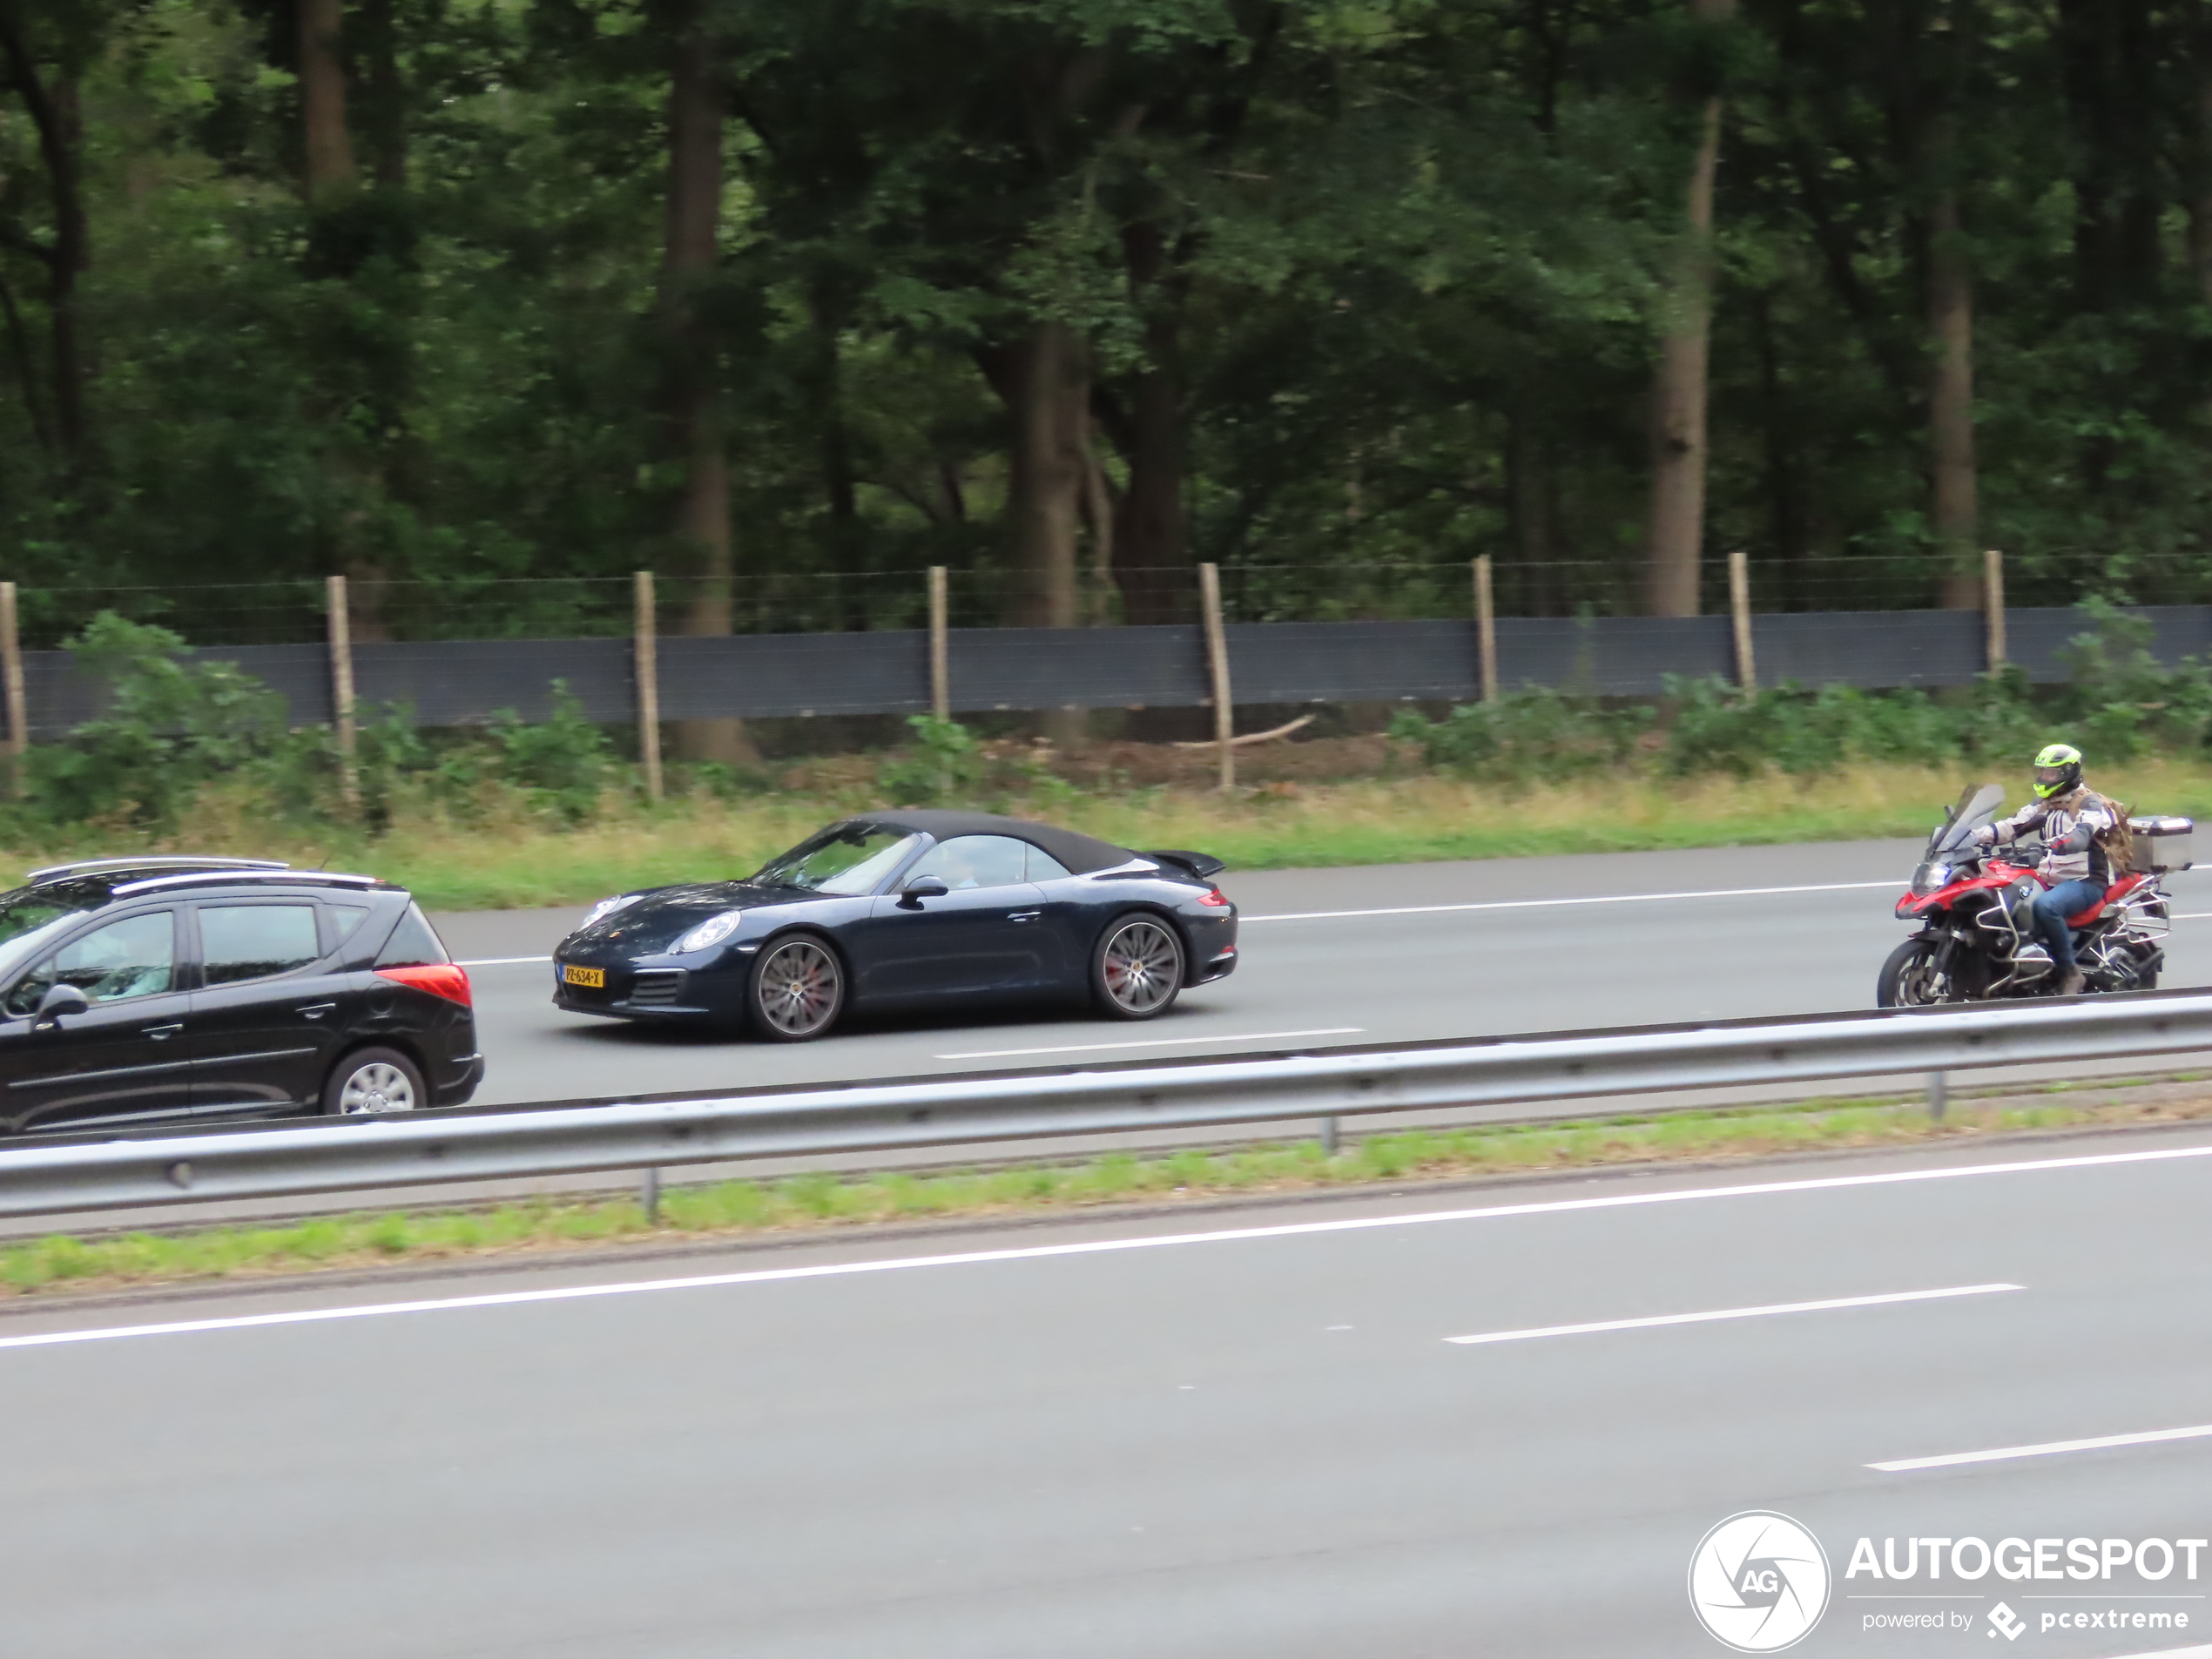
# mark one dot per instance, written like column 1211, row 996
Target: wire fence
column 807, row 602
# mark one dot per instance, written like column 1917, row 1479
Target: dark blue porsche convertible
column 906, row 909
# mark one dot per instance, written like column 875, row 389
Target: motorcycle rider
column 2072, row 820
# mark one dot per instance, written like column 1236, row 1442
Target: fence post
column 1739, row 611
column 11, row 672
column 1224, row 722
column 646, row 663
column 341, row 689
column 940, row 672
column 1485, row 630
column 1992, row 605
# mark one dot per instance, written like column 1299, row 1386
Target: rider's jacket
column 2070, row 828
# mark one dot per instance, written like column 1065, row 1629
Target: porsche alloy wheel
column 798, row 989
column 1137, row 972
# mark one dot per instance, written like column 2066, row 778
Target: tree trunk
column 695, row 438
column 54, row 112
column 386, row 94
column 1151, row 544
column 1951, row 404
column 328, row 149
column 1049, row 385
column 1676, row 532
column 2199, row 172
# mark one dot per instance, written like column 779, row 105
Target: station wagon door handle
column 316, row 1010
column 1025, row 915
column 162, row 1032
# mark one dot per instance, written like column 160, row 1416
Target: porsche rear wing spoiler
column 1203, row 866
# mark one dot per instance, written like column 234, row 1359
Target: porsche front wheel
column 798, row 989
column 1136, row 971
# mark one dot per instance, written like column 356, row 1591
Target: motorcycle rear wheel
column 1910, row 980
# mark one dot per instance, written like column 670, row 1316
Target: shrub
column 171, row 727
column 1524, row 733
column 564, row 764
column 946, row 763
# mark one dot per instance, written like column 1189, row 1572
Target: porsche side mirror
column 59, row 1000
column 922, row 886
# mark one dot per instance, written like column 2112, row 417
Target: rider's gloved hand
column 1986, row 836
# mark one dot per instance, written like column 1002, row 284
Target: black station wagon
column 147, row 989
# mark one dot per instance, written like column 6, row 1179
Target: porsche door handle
column 1024, row 915
column 316, row 1010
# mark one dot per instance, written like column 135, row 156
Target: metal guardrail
column 367, row 1152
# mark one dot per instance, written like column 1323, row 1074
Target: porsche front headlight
column 712, row 932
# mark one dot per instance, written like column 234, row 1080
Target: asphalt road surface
column 1375, row 954
column 1227, row 1436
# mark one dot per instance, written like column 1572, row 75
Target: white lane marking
column 1733, row 1313
column 1552, row 904
column 1434, row 909
column 2048, row 1448
column 1105, row 1246
column 2194, row 915
column 1157, row 1042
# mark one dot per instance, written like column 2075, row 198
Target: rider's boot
column 2071, row 982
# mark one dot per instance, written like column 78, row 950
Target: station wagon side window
column 136, row 956
column 255, row 941
column 968, row 861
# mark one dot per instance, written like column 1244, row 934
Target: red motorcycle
column 1975, row 906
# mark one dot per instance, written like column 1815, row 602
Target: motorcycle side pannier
column 2162, row 844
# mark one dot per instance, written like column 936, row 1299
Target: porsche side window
column 968, row 861
column 1045, row 867
column 134, row 957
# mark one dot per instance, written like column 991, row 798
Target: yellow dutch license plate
column 592, row 979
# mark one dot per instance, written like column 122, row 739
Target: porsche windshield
column 848, row 859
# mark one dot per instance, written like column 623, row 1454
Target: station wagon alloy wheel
column 1140, row 967
column 374, row 1080
column 797, row 990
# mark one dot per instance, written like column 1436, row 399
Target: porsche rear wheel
column 797, row 989
column 1137, row 972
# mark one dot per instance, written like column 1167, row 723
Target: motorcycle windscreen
column 1978, row 805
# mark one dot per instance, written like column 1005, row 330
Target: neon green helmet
column 2058, row 770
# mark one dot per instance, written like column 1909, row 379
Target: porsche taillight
column 1214, row 897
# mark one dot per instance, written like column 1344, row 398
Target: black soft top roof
column 1080, row 854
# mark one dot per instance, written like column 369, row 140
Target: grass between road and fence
column 500, row 859
column 801, row 1204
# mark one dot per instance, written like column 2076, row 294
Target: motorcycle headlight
column 1931, row 878
column 608, row 907
column 712, row 932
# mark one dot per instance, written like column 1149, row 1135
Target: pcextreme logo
column 1758, row 1582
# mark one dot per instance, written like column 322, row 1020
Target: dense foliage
column 1083, row 289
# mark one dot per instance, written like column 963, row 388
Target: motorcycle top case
column 2162, row 845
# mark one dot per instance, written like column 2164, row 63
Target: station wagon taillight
column 448, row 980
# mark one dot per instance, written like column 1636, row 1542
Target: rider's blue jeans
column 2051, row 908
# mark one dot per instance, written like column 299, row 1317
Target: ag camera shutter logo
column 1758, row 1582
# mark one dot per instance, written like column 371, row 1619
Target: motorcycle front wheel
column 1910, row 978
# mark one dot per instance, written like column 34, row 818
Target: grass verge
column 736, row 1209
column 504, row 858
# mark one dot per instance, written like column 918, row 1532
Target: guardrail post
column 645, row 664
column 1485, row 631
column 11, row 672
column 1939, row 1094
column 341, row 689
column 1739, row 611
column 1224, row 718
column 941, row 667
column 649, row 1195
column 1992, row 607
column 1330, row 1137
